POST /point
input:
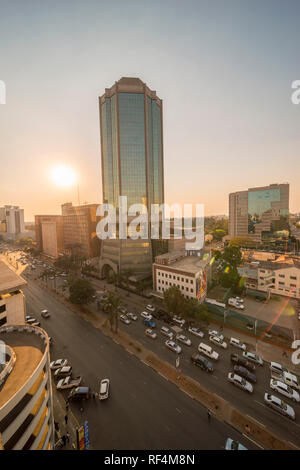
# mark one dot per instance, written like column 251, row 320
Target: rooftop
column 178, row 260
column 9, row 280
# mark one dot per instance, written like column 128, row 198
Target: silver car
column 240, row 382
column 184, row 340
column 284, row 389
column 279, row 405
column 173, row 346
column 253, row 358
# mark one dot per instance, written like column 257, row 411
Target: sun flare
column 63, row 176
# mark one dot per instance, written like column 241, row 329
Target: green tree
column 81, row 291
column 174, row 300
column 219, row 233
column 232, row 255
column 191, row 309
column 113, row 304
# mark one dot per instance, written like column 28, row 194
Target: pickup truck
column 69, row 382
column 149, row 323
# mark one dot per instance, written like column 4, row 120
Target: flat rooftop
column 9, row 280
column 190, row 264
column 29, row 349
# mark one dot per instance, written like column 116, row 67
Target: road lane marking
column 245, row 435
column 179, row 411
column 263, row 425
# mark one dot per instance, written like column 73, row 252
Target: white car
column 239, row 299
column 280, row 406
column 218, row 341
column 45, row 314
column 253, row 358
column 237, row 343
column 132, row 316
column 196, row 331
column 240, row 382
column 180, row 321
column 150, row 307
column 234, row 303
column 284, row 389
column 125, row 320
column 58, row 363
column 215, row 333
column 150, row 333
column 277, row 368
column 184, row 340
column 63, row 371
column 166, row 332
column 146, row 315
column 104, row 388
column 173, row 346
column 68, row 382
column 208, row 351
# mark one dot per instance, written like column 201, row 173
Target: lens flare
column 63, row 176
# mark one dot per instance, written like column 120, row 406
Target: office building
column 79, row 227
column 11, row 222
column 260, row 214
column 132, row 164
column 12, row 299
column 49, row 234
column 26, row 405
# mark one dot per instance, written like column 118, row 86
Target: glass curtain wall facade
column 132, row 160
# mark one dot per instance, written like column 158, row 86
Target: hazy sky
column 223, row 69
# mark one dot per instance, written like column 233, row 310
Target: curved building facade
column 26, row 405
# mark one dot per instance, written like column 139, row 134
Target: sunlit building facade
column 132, row 163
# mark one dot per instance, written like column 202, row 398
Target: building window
column 187, row 289
column 178, row 278
column 294, row 278
column 192, row 290
column 281, row 283
column 3, row 321
column 281, row 275
column 293, row 285
column 191, row 281
column 182, row 279
column 2, row 308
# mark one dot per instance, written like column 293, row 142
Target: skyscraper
column 132, row 163
column 259, row 214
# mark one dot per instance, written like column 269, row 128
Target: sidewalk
column 59, row 407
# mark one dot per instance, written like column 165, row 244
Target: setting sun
column 63, row 176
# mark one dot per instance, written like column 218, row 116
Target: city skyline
column 229, row 122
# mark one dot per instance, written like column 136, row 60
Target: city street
column 144, row 411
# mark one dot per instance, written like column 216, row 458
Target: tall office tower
column 132, row 164
column 260, row 214
column 11, row 222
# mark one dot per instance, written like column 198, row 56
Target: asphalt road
column 144, row 411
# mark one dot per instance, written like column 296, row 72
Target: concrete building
column 280, row 275
column 12, row 300
column 132, row 164
column 11, row 222
column 189, row 272
column 79, row 225
column 49, row 234
column 26, row 405
column 259, row 214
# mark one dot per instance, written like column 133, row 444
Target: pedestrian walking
column 66, row 419
column 208, row 415
column 68, row 436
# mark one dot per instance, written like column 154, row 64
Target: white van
column 237, row 343
column 208, row 351
column 291, row 380
column 104, row 388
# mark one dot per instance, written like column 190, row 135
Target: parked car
column 290, row 379
column 218, row 341
column 173, row 346
column 63, row 372
column 104, row 389
column 150, row 307
column 146, row 315
column 215, row 333
column 150, row 333
column 125, row 319
column 279, row 405
column 79, row 393
column 245, row 373
column 149, row 322
column 45, row 314
column 166, row 332
column 58, row 363
column 132, row 316
column 178, row 320
column 230, row 444
column 208, row 351
column 239, row 299
column 277, row 368
column 240, row 382
column 202, row 362
column 31, row 321
column 253, row 358
column 284, row 389
column 241, row 361
column 196, row 331
column 68, row 382
column 234, row 303
column 237, row 343
column 184, row 340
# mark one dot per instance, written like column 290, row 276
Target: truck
column 68, row 382
column 149, row 323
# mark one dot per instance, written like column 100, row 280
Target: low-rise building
column 12, row 299
column 49, row 234
column 11, row 222
column 188, row 271
column 278, row 276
